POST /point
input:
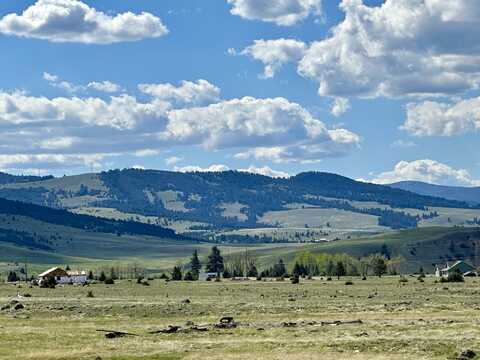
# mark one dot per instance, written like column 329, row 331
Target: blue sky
column 410, row 91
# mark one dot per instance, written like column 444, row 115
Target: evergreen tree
column 279, row 269
column 330, row 270
column 379, row 266
column 189, row 276
column 252, row 271
column 195, row 265
column 340, row 270
column 215, row 261
column 102, row 276
column 385, row 251
column 90, row 275
column 176, row 273
column 12, row 276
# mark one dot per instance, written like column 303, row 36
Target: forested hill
column 225, row 199
column 9, row 179
column 90, row 223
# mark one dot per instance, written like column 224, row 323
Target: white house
column 63, row 277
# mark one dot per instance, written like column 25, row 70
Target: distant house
column 63, row 277
column 460, row 266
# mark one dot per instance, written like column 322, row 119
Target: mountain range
column 467, row 194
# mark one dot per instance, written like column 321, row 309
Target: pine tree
column 215, row 261
column 340, row 270
column 330, row 268
column 12, row 276
column 252, row 271
column 195, row 265
column 176, row 273
column 90, row 275
column 102, row 276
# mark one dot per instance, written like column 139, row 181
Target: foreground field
column 277, row 320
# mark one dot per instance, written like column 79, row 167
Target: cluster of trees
column 309, row 264
column 215, row 264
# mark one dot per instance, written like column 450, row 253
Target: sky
column 379, row 91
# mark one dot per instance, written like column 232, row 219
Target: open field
column 410, row 320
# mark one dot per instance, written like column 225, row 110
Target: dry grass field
column 275, row 320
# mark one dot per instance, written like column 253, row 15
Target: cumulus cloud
column 430, row 171
column 55, row 81
column 101, row 86
column 248, row 121
column 431, row 118
column 50, row 161
column 75, row 21
column 211, row 168
column 280, row 12
column 123, row 125
column 196, row 93
column 172, row 160
column 266, row 171
column 104, row 86
column 275, row 53
column 400, row 48
column 340, row 106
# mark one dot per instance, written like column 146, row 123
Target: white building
column 63, row 277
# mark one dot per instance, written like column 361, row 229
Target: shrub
column 348, row 282
column 403, row 280
column 329, row 279
column 455, row 277
column 189, row 276
column 164, row 276
column 145, row 283
column 295, row 279
column 364, row 278
column 49, row 283
column 109, row 281
column 90, row 294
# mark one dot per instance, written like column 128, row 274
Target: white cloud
column 57, row 143
column 122, row 125
column 75, row 21
column 105, row 86
column 275, row 53
column 280, row 12
column 211, row 168
column 266, row 171
column 429, row 171
column 286, row 131
column 55, row 81
column 197, row 93
column 400, row 48
column 146, row 152
column 172, row 160
column 50, row 161
column 340, row 106
column 121, row 112
column 431, row 118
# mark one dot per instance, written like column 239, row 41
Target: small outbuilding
column 63, row 277
column 460, row 266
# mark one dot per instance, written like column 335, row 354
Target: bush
column 348, row 282
column 295, row 279
column 364, row 278
column 145, row 283
column 109, row 281
column 403, row 280
column 329, row 279
column 90, row 294
column 49, row 283
column 189, row 276
column 164, row 276
column 455, row 277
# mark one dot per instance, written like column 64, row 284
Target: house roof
column 52, row 271
column 458, row 263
